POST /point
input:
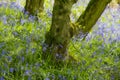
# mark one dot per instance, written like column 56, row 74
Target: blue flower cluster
column 22, row 37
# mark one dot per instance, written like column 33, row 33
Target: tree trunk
column 89, row 17
column 58, row 37
column 61, row 31
column 33, row 7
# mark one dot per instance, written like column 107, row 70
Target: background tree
column 34, row 6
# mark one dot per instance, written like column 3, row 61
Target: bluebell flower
column 75, row 78
column 118, row 38
column 112, row 29
column 5, row 65
column 59, row 56
column 22, row 21
column 12, row 4
column 33, row 50
column 61, row 77
column 47, row 78
column 53, row 77
column 9, row 58
column 15, row 33
column 2, row 78
column 37, row 65
column 25, row 12
column 49, row 13
column 28, row 72
column 112, row 77
column 31, row 18
column 29, row 78
column 88, row 38
column 4, row 4
column 27, row 65
column 4, row 52
column 4, row 19
column 27, row 50
column 0, row 4
column 11, row 70
column 28, row 39
column 22, row 58
column 44, row 47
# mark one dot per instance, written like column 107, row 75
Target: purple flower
column 44, row 47
column 112, row 29
column 28, row 72
column 28, row 39
column 75, row 78
column 88, row 38
column 118, row 38
column 5, row 65
column 2, row 78
column 27, row 50
column 20, row 8
column 22, row 21
column 4, row 52
column 27, row 65
column 112, row 77
column 32, row 18
column 59, row 56
column 4, row 4
column 33, row 50
column 15, row 33
column 25, row 12
column 11, row 70
column 4, row 19
column 61, row 77
column 9, row 58
column 0, row 4
column 29, row 78
column 49, row 13
column 38, row 65
column 14, row 5
column 23, row 59
column 47, row 78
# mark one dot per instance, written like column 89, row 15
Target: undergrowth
column 21, row 39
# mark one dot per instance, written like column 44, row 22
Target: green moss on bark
column 34, row 6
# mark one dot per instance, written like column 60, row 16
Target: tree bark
column 89, row 17
column 61, row 31
column 33, row 7
column 58, row 37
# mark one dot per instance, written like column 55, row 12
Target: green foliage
column 21, row 39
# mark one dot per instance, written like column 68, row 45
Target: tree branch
column 89, row 17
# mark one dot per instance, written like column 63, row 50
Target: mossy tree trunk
column 33, row 7
column 89, row 17
column 61, row 31
column 57, row 39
